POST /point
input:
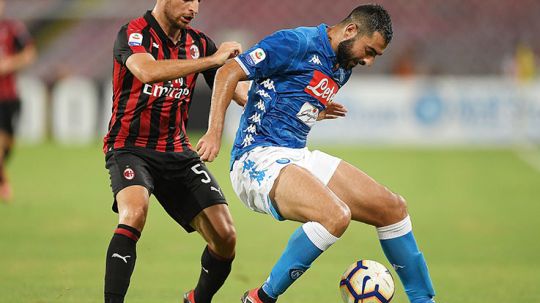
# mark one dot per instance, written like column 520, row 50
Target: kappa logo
column 115, row 255
column 154, row 44
column 251, row 129
column 397, row 267
column 263, row 93
column 248, row 140
column 315, row 60
column 260, row 106
column 129, row 174
column 135, row 39
column 322, row 87
column 268, row 84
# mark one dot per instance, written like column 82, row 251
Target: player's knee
column 134, row 216
column 225, row 241
column 400, row 207
column 395, row 210
column 339, row 220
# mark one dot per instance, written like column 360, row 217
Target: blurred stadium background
column 449, row 117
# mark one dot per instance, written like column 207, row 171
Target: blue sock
column 408, row 261
column 306, row 244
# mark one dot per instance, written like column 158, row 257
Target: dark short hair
column 371, row 18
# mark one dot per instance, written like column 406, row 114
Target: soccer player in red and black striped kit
column 156, row 62
column 16, row 52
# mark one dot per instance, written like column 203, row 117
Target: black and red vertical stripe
column 155, row 115
column 13, row 38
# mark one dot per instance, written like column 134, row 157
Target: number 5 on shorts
column 198, row 171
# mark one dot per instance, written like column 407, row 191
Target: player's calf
column 120, row 262
column 216, row 227
column 223, row 243
column 399, row 246
column 214, row 271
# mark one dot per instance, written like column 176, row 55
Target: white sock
column 395, row 230
column 319, row 235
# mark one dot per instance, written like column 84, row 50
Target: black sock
column 264, row 297
column 214, row 271
column 120, row 263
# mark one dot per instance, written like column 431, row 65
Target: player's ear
column 350, row 31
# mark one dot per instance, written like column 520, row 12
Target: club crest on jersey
column 194, row 52
column 322, row 87
column 135, row 39
column 129, row 174
column 308, row 114
column 283, row 161
column 256, row 56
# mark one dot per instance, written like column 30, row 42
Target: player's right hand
column 208, row 147
column 333, row 110
column 227, row 50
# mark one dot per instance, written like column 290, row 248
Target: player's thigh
column 369, row 201
column 300, row 196
column 132, row 184
column 187, row 191
column 215, row 224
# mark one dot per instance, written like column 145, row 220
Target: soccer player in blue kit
column 296, row 75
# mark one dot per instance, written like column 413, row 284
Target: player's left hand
column 333, row 110
column 208, row 147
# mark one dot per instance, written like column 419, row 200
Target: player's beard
column 175, row 24
column 173, row 20
column 345, row 57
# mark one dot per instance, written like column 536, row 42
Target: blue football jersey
column 293, row 80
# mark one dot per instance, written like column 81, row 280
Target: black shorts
column 9, row 113
column 180, row 181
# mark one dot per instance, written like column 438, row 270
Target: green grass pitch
column 475, row 215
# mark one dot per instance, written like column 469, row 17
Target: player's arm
column 225, row 84
column 241, row 93
column 19, row 60
column 149, row 70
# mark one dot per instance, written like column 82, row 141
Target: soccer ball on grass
column 366, row 281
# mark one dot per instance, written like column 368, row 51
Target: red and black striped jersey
column 155, row 115
column 13, row 38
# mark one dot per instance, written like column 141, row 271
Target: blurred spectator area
column 457, row 37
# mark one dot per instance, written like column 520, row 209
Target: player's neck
column 333, row 36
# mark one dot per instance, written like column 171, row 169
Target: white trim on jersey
column 242, row 65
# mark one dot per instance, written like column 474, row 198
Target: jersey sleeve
column 130, row 41
column 210, row 49
column 21, row 36
column 274, row 54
